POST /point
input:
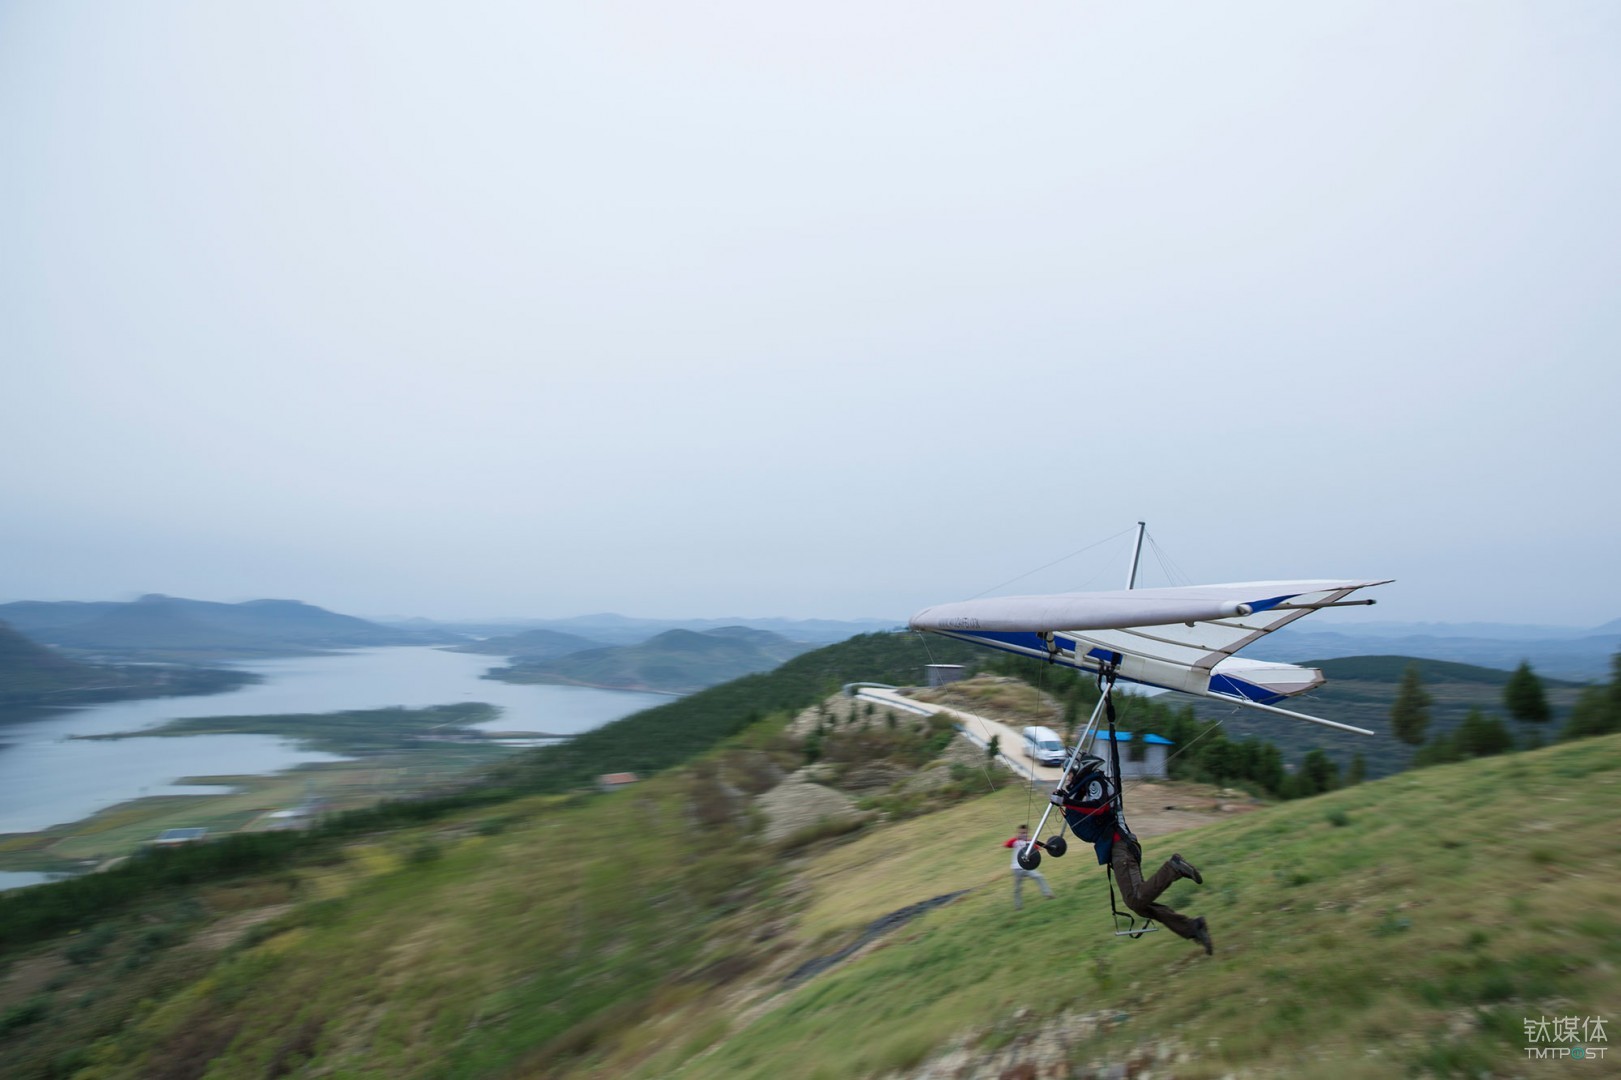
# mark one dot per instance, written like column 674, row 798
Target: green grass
column 1413, row 927
column 532, row 943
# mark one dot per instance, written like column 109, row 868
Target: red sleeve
column 1090, row 811
column 1011, row 842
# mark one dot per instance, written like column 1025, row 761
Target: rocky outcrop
column 1062, row 1046
column 798, row 804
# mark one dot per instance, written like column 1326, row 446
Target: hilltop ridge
column 177, row 628
column 673, row 662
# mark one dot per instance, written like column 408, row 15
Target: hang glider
column 1181, row 639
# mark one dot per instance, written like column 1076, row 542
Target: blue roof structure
column 1125, row 736
column 179, row 836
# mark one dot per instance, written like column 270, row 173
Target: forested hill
column 175, row 628
column 32, row 674
column 674, row 662
column 29, row 667
column 1361, row 690
column 532, row 645
column 1390, row 669
column 657, row 738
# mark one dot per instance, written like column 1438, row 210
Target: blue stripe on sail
column 1226, row 684
column 1018, row 639
column 1267, row 605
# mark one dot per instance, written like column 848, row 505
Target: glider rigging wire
column 1055, row 562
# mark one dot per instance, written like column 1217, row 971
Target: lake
column 48, row 778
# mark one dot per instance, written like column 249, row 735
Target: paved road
column 976, row 729
column 1153, row 808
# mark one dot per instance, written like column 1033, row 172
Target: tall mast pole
column 1136, row 554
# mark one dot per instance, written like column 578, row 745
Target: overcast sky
column 708, row 309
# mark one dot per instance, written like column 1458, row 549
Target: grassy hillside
column 1402, row 926
column 674, row 662
column 1398, row 927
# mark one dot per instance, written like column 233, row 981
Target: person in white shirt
column 1018, row 844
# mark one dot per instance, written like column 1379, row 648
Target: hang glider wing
column 1177, row 639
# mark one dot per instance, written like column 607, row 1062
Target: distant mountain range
column 174, row 628
column 1557, row 652
column 611, row 629
column 674, row 662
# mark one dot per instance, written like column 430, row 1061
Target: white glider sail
column 1176, row 639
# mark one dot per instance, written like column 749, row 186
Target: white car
column 1043, row 746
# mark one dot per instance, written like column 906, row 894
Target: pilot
column 1087, row 798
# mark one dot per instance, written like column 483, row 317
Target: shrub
column 28, row 1012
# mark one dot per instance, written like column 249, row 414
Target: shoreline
column 365, row 779
column 558, row 680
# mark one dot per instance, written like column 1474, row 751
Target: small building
column 614, row 780
column 297, row 817
column 1142, row 757
column 176, row 837
column 940, row 674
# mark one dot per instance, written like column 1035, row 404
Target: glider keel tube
column 1097, row 611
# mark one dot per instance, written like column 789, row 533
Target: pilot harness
column 1056, row 845
column 1132, row 930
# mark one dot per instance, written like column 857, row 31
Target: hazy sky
column 728, row 308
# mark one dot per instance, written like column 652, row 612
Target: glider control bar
column 1069, row 762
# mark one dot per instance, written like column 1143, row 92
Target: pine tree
column 1523, row 696
column 1410, row 714
column 1358, row 771
column 1598, row 710
column 1269, row 772
column 1438, row 751
column 1482, row 736
column 1318, row 772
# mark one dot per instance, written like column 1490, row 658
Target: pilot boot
column 1186, row 869
column 1201, row 934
